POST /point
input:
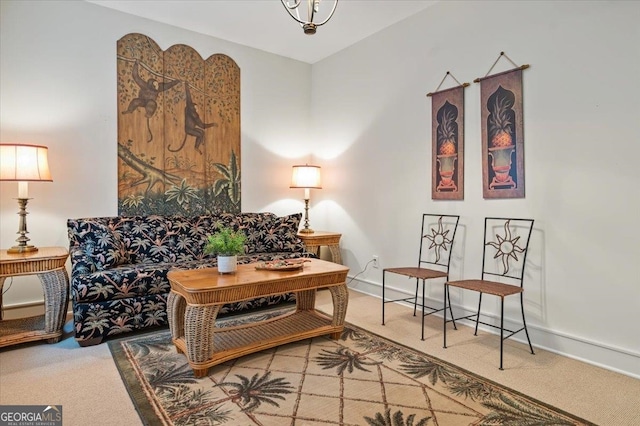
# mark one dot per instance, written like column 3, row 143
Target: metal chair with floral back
column 506, row 243
column 436, row 240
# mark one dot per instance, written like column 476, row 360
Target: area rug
column 361, row 379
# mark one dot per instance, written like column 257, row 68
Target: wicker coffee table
column 197, row 295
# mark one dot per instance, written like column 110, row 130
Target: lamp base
column 23, row 241
column 306, row 229
column 22, row 249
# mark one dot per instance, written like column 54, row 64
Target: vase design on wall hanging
column 447, row 141
column 502, row 134
column 178, row 130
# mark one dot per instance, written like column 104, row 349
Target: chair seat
column 489, row 287
column 436, row 242
column 421, row 273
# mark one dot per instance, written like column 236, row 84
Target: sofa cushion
column 152, row 239
column 106, row 318
column 251, row 224
column 102, row 245
column 200, row 228
column 121, row 282
column 281, row 235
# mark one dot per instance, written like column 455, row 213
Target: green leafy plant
column 225, row 242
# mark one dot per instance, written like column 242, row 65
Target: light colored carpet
column 87, row 384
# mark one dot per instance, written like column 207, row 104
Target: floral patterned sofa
column 119, row 264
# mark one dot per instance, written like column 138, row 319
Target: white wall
column 58, row 88
column 582, row 134
column 372, row 118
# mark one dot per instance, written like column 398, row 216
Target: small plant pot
column 227, row 264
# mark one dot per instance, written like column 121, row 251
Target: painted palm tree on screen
column 228, row 186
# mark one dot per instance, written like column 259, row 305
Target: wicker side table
column 48, row 263
column 315, row 240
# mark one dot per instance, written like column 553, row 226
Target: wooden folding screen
column 178, row 130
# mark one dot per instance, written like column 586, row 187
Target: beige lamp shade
column 306, row 177
column 24, row 163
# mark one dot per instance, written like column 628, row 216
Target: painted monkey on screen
column 193, row 124
column 147, row 95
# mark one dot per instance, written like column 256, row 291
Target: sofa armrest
column 81, row 263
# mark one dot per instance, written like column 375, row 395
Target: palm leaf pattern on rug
column 343, row 359
column 164, row 367
column 351, row 334
column 397, row 419
column 370, row 344
column 192, row 407
column 461, row 385
column 473, row 389
column 421, row 367
column 511, row 412
column 168, row 373
column 251, row 393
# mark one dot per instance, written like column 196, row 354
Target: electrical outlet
column 375, row 261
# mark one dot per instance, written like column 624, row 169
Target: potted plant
column 227, row 244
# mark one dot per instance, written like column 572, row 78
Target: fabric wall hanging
column 178, row 130
column 502, row 133
column 447, row 142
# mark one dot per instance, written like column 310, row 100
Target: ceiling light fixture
column 313, row 6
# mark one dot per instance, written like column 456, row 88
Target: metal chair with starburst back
column 436, row 241
column 506, row 243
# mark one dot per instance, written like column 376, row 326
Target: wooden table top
column 320, row 237
column 44, row 260
column 205, row 286
column 42, row 253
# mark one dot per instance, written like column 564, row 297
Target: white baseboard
column 612, row 358
column 25, row 310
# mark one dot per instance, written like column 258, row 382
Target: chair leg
column 478, row 315
column 501, row 329
column 444, row 322
column 383, row 274
column 524, row 322
column 415, row 299
column 453, row 319
column 423, row 286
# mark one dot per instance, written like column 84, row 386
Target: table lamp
column 23, row 163
column 307, row 177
